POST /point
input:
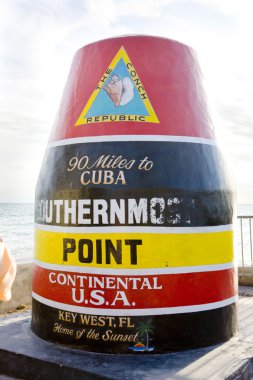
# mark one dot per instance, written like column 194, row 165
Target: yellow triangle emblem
column 119, row 96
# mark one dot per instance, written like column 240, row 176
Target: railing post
column 242, row 245
column 250, row 236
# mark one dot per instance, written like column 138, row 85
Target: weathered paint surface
column 134, row 208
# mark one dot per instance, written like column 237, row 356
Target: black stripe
column 182, row 208
column 185, row 166
column 189, row 177
column 166, row 332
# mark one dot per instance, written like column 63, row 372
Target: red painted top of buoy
column 166, row 70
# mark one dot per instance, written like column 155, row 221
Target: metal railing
column 245, row 239
column 245, row 249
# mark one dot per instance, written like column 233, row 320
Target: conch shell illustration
column 120, row 91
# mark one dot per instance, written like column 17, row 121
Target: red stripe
column 174, row 289
column 171, row 78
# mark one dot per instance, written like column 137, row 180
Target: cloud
column 39, row 39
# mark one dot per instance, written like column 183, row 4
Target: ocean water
column 17, row 228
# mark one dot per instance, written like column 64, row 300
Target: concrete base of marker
column 24, row 355
column 21, row 289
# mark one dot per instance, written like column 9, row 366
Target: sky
column 38, row 40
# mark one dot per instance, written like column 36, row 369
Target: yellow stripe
column 156, row 250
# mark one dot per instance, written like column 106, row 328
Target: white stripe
column 134, row 272
column 135, row 312
column 95, row 139
column 128, row 229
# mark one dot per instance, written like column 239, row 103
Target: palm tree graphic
column 145, row 328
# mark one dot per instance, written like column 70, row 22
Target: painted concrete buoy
column 134, row 208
